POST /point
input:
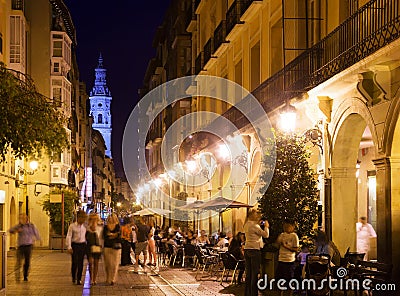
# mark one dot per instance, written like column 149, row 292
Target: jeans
column 78, row 254
column 24, row 252
column 252, row 265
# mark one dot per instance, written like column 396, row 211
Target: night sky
column 123, row 32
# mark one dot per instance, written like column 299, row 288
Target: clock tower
column 100, row 105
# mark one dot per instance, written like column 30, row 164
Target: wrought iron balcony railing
column 17, row 4
column 233, row 15
column 198, row 64
column 196, row 4
column 208, row 50
column 373, row 26
column 219, row 35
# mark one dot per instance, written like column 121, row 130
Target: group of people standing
column 87, row 236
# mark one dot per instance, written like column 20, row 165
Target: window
column 100, row 118
column 56, row 68
column 276, row 60
column 57, row 157
column 17, row 4
column 56, row 172
column 57, row 93
column 17, row 40
column 57, row 48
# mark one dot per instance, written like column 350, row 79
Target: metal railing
column 219, row 35
column 17, row 4
column 233, row 15
column 198, row 64
column 208, row 50
column 373, row 26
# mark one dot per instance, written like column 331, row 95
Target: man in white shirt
column 76, row 246
column 365, row 231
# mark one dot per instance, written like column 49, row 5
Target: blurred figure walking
column 27, row 233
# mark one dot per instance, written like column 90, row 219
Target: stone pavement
column 50, row 275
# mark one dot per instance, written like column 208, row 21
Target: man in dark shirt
column 27, row 233
column 142, row 241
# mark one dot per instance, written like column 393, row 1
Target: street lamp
column 288, row 117
column 34, row 164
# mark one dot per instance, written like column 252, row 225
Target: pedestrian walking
column 288, row 246
column 27, row 233
column 112, row 248
column 365, row 232
column 126, row 236
column 143, row 231
column 94, row 245
column 152, row 245
column 76, row 246
column 252, row 253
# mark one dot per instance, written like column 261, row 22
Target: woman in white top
column 252, row 253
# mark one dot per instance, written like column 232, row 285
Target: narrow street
column 50, row 275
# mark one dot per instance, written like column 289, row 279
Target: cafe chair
column 317, row 268
column 189, row 252
column 203, row 262
column 230, row 264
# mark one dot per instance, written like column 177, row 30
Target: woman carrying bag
column 112, row 248
column 93, row 235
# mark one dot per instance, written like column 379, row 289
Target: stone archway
column 344, row 181
column 13, row 221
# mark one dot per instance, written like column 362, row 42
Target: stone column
column 383, row 209
column 344, row 207
column 395, row 198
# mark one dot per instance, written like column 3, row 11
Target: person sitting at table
column 229, row 236
column 177, row 250
column 203, row 239
column 190, row 238
column 324, row 246
column 236, row 249
column 223, row 241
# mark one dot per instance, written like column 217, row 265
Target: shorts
column 141, row 247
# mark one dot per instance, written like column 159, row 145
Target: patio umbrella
column 221, row 204
column 195, row 207
column 151, row 212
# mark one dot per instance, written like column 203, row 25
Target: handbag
column 117, row 246
column 95, row 249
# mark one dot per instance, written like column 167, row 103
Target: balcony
column 233, row 16
column 191, row 17
column 208, row 50
column 17, row 4
column 219, row 37
column 371, row 28
column 196, row 4
column 198, row 64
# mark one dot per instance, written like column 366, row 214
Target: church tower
column 100, row 105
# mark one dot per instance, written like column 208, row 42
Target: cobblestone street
column 50, row 275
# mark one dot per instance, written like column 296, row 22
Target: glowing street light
column 119, row 204
column 34, row 164
column 288, row 116
column 224, row 152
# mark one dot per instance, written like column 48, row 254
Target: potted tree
column 53, row 210
column 292, row 194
